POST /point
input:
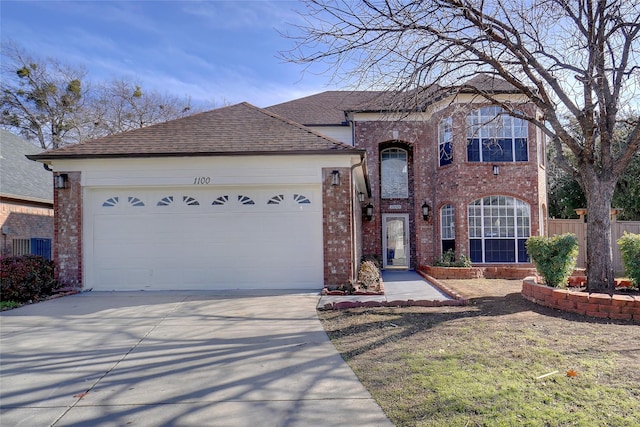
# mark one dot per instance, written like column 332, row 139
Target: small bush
column 630, row 249
column 554, row 257
column 449, row 260
column 26, row 278
column 369, row 277
column 373, row 258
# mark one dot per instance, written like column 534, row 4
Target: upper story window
column 494, row 136
column 445, row 137
column 394, row 174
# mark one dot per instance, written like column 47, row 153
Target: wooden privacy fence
column 579, row 228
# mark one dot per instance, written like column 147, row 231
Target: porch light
column 368, row 212
column 496, row 170
column 361, row 197
column 335, row 178
column 425, row 211
column 60, row 181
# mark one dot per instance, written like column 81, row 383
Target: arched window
column 447, row 228
column 494, row 136
column 394, row 174
column 445, row 137
column 498, row 229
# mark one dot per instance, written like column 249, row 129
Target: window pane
column 447, row 226
column 394, row 175
column 504, row 138
column 446, row 154
column 499, row 250
column 473, row 150
column 475, row 249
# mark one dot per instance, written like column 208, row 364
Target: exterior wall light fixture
column 496, row 170
column 335, row 177
column 60, row 181
column 368, row 212
column 425, row 211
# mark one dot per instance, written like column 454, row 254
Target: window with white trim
column 498, row 229
column 394, row 174
column 445, row 138
column 447, row 228
column 494, row 136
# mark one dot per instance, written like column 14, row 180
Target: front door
column 395, row 240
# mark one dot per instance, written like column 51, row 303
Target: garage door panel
column 208, row 246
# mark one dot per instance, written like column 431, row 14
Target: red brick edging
column 456, row 301
column 605, row 306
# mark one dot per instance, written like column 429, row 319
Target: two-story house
column 450, row 172
column 292, row 196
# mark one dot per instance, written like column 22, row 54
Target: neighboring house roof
column 330, row 108
column 240, row 129
column 21, row 178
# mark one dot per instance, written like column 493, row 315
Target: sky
column 216, row 52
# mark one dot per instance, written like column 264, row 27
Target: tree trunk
column 600, row 277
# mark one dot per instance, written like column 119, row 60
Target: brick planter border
column 604, row 306
column 487, row 272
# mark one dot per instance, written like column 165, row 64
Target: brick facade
column 458, row 184
column 24, row 220
column 67, row 250
column 337, row 214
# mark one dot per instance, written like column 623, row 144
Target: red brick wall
column 67, row 249
column 337, row 212
column 458, row 184
column 24, row 220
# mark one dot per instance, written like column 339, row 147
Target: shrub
column 369, row 276
column 554, row 257
column 26, row 278
column 449, row 260
column 373, row 258
column 630, row 249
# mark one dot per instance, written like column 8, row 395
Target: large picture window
column 394, row 176
column 445, row 138
column 498, row 229
column 494, row 136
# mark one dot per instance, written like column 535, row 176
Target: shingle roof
column 328, row 108
column 21, row 178
column 240, row 129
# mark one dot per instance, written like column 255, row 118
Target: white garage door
column 205, row 239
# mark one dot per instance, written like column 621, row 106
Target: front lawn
column 500, row 361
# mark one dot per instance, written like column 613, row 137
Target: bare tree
column 55, row 104
column 41, row 98
column 120, row 106
column 575, row 60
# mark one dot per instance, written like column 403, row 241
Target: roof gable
column 19, row 177
column 240, row 129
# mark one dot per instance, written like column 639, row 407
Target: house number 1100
column 202, row 180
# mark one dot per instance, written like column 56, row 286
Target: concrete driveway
column 176, row 359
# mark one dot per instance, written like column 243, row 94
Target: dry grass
column 480, row 365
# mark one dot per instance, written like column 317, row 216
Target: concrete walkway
column 400, row 286
column 176, row 359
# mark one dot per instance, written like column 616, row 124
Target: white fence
column 579, row 228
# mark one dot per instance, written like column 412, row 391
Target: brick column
column 67, row 246
column 337, row 228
